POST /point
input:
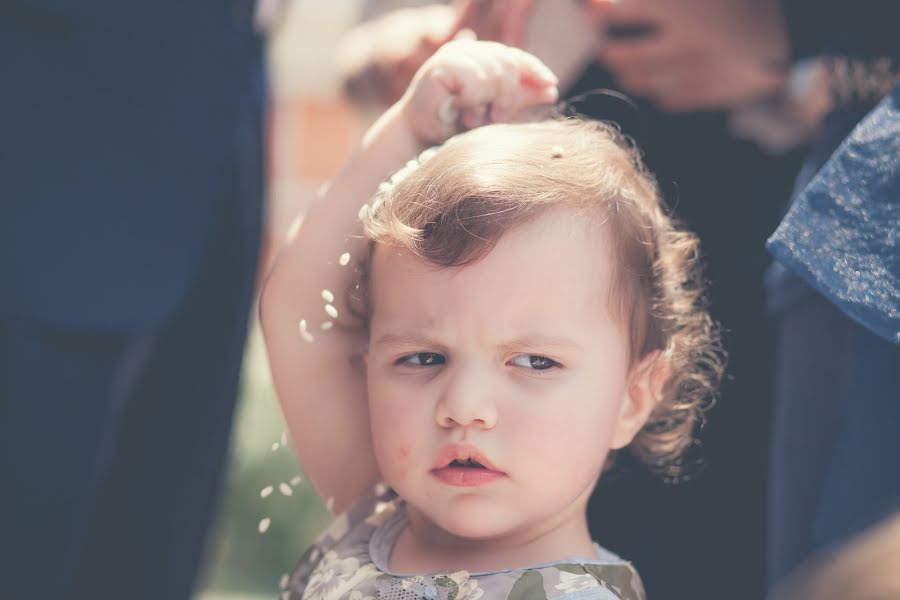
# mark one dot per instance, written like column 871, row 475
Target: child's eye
column 534, row 361
column 422, row 359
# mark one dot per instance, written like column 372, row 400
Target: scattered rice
column 327, row 296
column 264, row 525
column 266, row 491
column 331, row 310
column 285, row 489
column 344, row 260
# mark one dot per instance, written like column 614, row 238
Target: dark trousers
column 835, row 460
column 813, row 349
column 112, row 445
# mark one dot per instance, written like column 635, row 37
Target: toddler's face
column 514, row 362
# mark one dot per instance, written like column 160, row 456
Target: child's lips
column 466, row 476
column 464, row 465
column 466, row 454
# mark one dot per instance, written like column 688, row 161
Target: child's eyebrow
column 539, row 341
column 404, row 339
column 520, row 343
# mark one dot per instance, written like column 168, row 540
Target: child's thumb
column 465, row 34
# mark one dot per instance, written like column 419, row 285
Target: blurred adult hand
column 693, row 54
column 499, row 20
column 378, row 59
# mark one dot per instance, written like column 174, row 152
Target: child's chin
column 473, row 522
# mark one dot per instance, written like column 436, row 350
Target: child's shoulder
column 604, row 580
column 341, row 552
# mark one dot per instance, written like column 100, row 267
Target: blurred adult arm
column 717, row 54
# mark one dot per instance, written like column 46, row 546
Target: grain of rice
column 264, row 525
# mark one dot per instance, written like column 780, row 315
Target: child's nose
column 467, row 400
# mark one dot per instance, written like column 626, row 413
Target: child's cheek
column 396, row 446
column 402, row 462
column 398, row 467
column 393, row 421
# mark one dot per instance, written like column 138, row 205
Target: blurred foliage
column 241, row 560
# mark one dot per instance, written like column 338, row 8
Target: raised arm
column 322, row 390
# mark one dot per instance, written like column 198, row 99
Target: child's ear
column 645, row 383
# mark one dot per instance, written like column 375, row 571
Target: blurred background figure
column 837, row 256
column 131, row 174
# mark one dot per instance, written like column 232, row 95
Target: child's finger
column 535, row 84
column 534, row 96
column 531, row 69
column 475, row 116
column 465, row 34
column 509, row 94
column 504, row 67
column 484, row 87
column 467, row 79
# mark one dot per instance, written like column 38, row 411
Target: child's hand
column 468, row 83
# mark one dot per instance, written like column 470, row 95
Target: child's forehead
column 560, row 256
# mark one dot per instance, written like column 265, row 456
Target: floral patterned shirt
column 350, row 562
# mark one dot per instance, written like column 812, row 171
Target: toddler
column 459, row 358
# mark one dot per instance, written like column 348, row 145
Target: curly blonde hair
column 453, row 204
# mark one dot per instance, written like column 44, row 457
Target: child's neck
column 425, row 548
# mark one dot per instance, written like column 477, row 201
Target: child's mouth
column 466, row 472
column 467, row 464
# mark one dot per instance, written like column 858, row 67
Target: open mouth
column 467, row 464
column 464, row 465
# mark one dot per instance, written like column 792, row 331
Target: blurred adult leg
column 854, row 544
column 147, row 531
column 814, row 343
column 863, row 485
column 63, row 394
